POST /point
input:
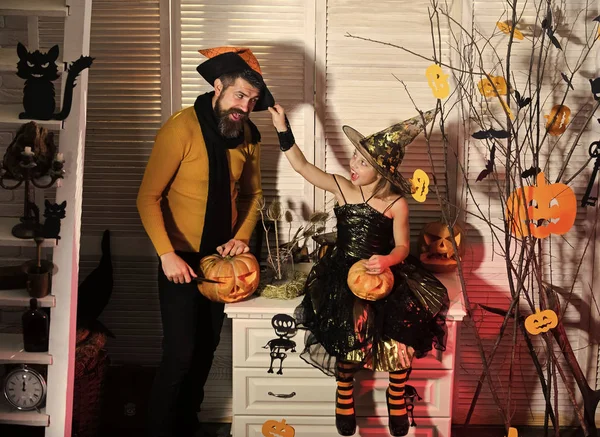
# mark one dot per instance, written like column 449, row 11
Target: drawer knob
column 284, row 396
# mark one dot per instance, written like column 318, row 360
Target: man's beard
column 229, row 128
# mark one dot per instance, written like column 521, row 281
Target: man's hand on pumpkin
column 176, row 269
column 233, row 247
column 376, row 264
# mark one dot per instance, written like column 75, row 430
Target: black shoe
column 398, row 425
column 345, row 423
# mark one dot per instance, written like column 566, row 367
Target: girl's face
column 361, row 172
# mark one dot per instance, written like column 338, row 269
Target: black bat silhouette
column 490, row 133
column 531, row 171
column 522, row 101
column 489, row 167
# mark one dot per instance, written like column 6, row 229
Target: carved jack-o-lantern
column 541, row 321
column 438, row 81
column 238, row 276
column 437, row 252
column 273, row 428
column 486, row 87
column 558, row 119
column 369, row 286
column 541, row 210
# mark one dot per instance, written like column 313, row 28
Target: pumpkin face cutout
column 420, row 185
column 239, row 276
column 368, row 286
column 273, row 428
column 486, row 86
column 558, row 120
column 541, row 210
column 438, row 81
column 436, row 251
column 542, row 321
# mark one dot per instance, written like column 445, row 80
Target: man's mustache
column 236, row 111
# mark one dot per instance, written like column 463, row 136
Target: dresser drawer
column 251, row 426
column 434, row 387
column 299, row 392
column 252, row 335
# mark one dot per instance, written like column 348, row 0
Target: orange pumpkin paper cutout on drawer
column 541, row 321
column 438, row 81
column 541, row 210
column 273, row 428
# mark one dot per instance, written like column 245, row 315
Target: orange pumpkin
column 486, row 86
column 541, row 321
column 541, row 210
column 273, row 428
column 368, row 286
column 239, row 276
column 437, row 252
column 558, row 119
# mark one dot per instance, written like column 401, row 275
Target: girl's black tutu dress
column 344, row 327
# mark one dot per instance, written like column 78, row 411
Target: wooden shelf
column 20, row 298
column 11, row 351
column 9, row 118
column 7, row 239
column 40, row 8
column 12, row 416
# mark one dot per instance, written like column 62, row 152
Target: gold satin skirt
column 388, row 357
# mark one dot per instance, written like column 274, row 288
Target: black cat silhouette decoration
column 285, row 328
column 39, row 71
column 53, row 213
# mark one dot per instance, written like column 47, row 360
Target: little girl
column 348, row 333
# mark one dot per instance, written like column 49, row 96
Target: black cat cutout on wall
column 39, row 71
column 53, row 213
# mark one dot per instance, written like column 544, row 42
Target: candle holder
column 29, row 226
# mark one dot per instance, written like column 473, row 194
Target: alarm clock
column 25, row 388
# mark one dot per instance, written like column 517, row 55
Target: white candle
column 60, row 157
column 27, row 151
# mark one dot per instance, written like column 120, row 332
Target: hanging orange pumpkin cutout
column 420, row 185
column 438, row 81
column 507, row 28
column 239, row 276
column 541, row 210
column 558, row 120
column 273, row 428
column 486, row 86
column 541, row 321
column 368, row 286
column 512, row 432
column 435, row 246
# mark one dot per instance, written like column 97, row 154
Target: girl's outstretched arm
column 294, row 155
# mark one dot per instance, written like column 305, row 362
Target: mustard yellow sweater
column 172, row 197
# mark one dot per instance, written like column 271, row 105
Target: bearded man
column 190, row 207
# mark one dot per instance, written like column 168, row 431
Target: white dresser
column 305, row 398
